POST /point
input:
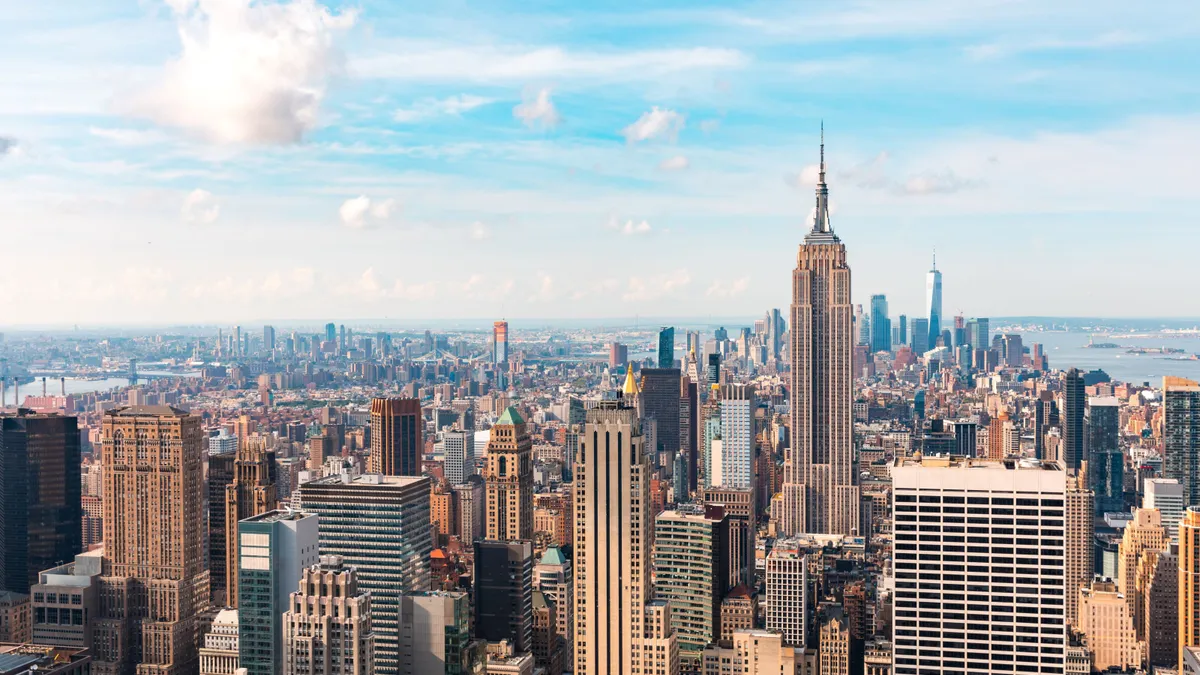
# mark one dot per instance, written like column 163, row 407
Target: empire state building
column 820, row 490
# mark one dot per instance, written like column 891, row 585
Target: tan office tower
column 154, row 582
column 397, row 437
column 752, row 652
column 1144, row 533
column 327, row 629
column 1106, row 622
column 820, row 494
column 1189, row 581
column 1080, row 541
column 619, row 630
column 1157, row 591
column 509, row 479
column 251, row 493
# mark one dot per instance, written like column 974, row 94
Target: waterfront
column 1066, row 350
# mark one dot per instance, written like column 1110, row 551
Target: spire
column 631, row 387
column 935, row 258
column 821, row 218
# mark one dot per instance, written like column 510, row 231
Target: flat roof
column 957, row 462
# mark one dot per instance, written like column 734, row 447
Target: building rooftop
column 553, row 556
column 278, row 515
column 957, row 462
column 365, row 479
column 158, row 410
column 511, row 417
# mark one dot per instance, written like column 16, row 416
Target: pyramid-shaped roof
column 510, row 416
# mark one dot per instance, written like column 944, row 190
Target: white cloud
column 128, row 136
column 942, row 182
column 809, row 175
column 359, row 212
column 415, row 60
column 629, row 226
column 656, row 287
column 479, row 287
column 371, row 285
column 676, row 163
column 248, row 72
column 657, row 123
column 453, row 106
column 546, row 291
column 537, row 110
column 8, row 145
column 200, row 207
column 730, row 289
column 995, row 50
column 479, row 231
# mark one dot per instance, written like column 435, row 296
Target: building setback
column 327, row 629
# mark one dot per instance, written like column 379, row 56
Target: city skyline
column 659, row 131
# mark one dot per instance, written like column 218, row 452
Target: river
column 1066, row 350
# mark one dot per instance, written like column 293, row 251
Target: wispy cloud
column 629, row 227
column 1025, row 44
column 8, row 145
column 655, row 287
column 537, row 110
column 479, row 63
column 427, row 108
column 657, row 123
column 728, row 289
column 676, row 163
column 200, row 207
column 360, row 212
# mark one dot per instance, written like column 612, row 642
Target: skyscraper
column 819, row 490
column 1189, row 580
column 252, row 492
column 1166, row 495
column 969, row 588
column 436, row 634
column 504, row 592
column 269, row 338
column 508, row 479
column 459, row 448
column 328, row 628
column 733, row 465
column 392, row 514
column 691, row 560
column 276, row 548
column 881, row 325
column 919, row 336
column 1079, row 545
column 1074, row 401
column 787, row 591
column 933, row 302
column 154, row 581
column 1181, row 436
column 330, row 332
column 40, row 496
column 1101, row 445
column 500, row 342
column 666, row 347
column 660, row 389
column 619, row 630
column 397, row 437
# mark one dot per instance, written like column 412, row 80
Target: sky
column 193, row 161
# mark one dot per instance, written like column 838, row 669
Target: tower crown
column 822, row 231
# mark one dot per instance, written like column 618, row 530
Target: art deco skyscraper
column 509, row 479
column 1189, row 580
column 397, row 442
column 328, row 628
column 619, row 629
column 252, row 492
column 154, row 582
column 820, row 494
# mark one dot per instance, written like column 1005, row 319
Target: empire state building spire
column 821, row 230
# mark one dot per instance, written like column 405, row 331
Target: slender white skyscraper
column 820, row 491
column 933, row 302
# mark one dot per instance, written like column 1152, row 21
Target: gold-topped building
column 820, row 494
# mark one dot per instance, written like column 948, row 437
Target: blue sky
column 222, row 160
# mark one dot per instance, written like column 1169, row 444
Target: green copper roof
column 553, row 556
column 510, row 416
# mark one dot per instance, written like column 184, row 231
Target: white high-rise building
column 459, row 448
column 787, row 591
column 979, row 565
column 219, row 655
column 733, row 461
column 1166, row 495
